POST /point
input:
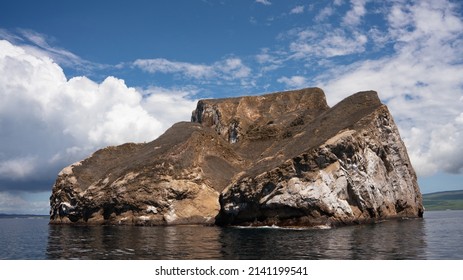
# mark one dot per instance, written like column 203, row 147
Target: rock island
column 280, row 159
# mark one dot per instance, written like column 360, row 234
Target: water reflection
column 120, row 242
column 387, row 240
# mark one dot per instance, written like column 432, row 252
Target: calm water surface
column 438, row 236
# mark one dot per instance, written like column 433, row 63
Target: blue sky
column 76, row 76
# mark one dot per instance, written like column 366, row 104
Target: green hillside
column 452, row 200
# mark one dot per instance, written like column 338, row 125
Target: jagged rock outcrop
column 283, row 159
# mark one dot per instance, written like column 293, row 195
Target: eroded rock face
column 278, row 159
column 157, row 183
column 353, row 177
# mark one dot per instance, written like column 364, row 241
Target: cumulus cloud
column 420, row 82
column 169, row 105
column 227, row 69
column 48, row 121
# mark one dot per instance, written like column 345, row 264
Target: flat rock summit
column 283, row 159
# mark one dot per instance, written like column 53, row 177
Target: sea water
column 439, row 235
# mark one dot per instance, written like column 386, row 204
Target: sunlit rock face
column 284, row 159
column 158, row 183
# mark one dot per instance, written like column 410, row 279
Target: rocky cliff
column 283, row 159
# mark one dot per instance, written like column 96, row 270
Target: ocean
column 439, row 235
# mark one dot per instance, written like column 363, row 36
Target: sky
column 77, row 76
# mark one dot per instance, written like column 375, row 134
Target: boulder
column 284, row 159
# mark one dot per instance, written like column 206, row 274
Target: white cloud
column 48, row 121
column 59, row 55
column 421, row 82
column 399, row 16
column 99, row 114
column 17, row 168
column 270, row 61
column 311, row 44
column 232, row 68
column 163, row 65
column 354, row 16
column 227, row 69
column 294, row 81
column 459, row 119
column 324, row 13
column 297, row 10
column 264, row 58
column 169, row 105
column 264, row 2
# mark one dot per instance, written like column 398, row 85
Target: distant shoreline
column 3, row 216
column 441, row 201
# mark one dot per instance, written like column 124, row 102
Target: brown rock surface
column 277, row 159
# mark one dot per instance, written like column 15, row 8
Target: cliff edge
column 284, row 159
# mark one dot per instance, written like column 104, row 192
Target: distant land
column 6, row 216
column 448, row 200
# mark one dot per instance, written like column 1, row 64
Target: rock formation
column 283, row 159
